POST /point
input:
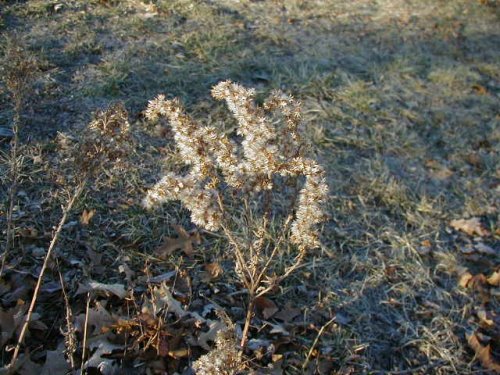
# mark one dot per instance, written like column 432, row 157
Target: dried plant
column 104, row 143
column 229, row 184
column 19, row 74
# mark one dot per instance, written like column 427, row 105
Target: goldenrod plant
column 233, row 183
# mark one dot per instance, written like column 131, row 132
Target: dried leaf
column 470, row 226
column 99, row 318
column 165, row 299
column 464, row 279
column 278, row 328
column 277, row 357
column 86, row 216
column 479, row 89
column 485, row 317
column 163, row 277
column 210, row 335
column 255, row 344
column 106, row 366
column 212, row 271
column 483, row 353
column 184, row 242
column 494, row 279
column 266, row 307
column 11, row 321
column 484, row 249
column 107, row 289
column 288, row 313
column 179, row 353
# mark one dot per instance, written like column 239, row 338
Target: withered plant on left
column 104, row 144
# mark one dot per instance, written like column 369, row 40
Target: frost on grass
column 267, row 149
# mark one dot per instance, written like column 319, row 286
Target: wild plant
column 103, row 145
column 244, row 185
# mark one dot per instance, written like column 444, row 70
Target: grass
column 401, row 105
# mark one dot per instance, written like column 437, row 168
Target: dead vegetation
column 400, row 103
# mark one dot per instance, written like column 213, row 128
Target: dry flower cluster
column 224, row 359
column 268, row 149
column 107, row 138
column 224, row 173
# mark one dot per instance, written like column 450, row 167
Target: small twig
column 306, row 362
column 85, row 333
column 55, row 238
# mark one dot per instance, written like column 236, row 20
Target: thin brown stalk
column 55, row 238
column 248, row 320
column 311, row 350
column 85, row 333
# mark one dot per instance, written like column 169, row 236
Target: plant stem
column 55, row 238
column 309, row 354
column 248, row 320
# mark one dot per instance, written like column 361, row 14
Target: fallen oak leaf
column 265, row 307
column 288, row 313
column 483, row 353
column 107, row 289
column 184, row 242
column 470, row 226
column 204, row 337
column 99, row 360
column 98, row 320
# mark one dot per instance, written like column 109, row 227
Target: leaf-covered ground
column 401, row 106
